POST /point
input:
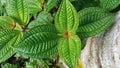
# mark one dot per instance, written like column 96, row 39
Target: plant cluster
column 39, row 32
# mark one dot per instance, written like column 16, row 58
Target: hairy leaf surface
column 7, row 22
column 8, row 38
column 69, row 50
column 66, row 18
column 93, row 21
column 18, row 9
column 34, row 6
column 39, row 42
column 109, row 4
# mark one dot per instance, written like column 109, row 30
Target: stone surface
column 103, row 50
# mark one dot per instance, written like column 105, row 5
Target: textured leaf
column 8, row 23
column 18, row 9
column 93, row 21
column 8, row 38
column 51, row 4
column 34, row 6
column 34, row 24
column 66, row 22
column 66, row 18
column 109, row 4
column 69, row 50
column 7, row 65
column 42, row 19
column 39, row 42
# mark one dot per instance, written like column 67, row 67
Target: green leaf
column 18, row 9
column 8, row 39
column 66, row 18
column 93, row 21
column 51, row 4
column 69, row 50
column 7, row 65
column 34, row 6
column 66, row 22
column 7, row 22
column 39, row 42
column 42, row 19
column 34, row 23
column 109, row 4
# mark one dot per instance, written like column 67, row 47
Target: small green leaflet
column 69, row 50
column 39, row 42
column 8, row 39
column 66, row 19
column 109, row 4
column 18, row 9
column 92, row 21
